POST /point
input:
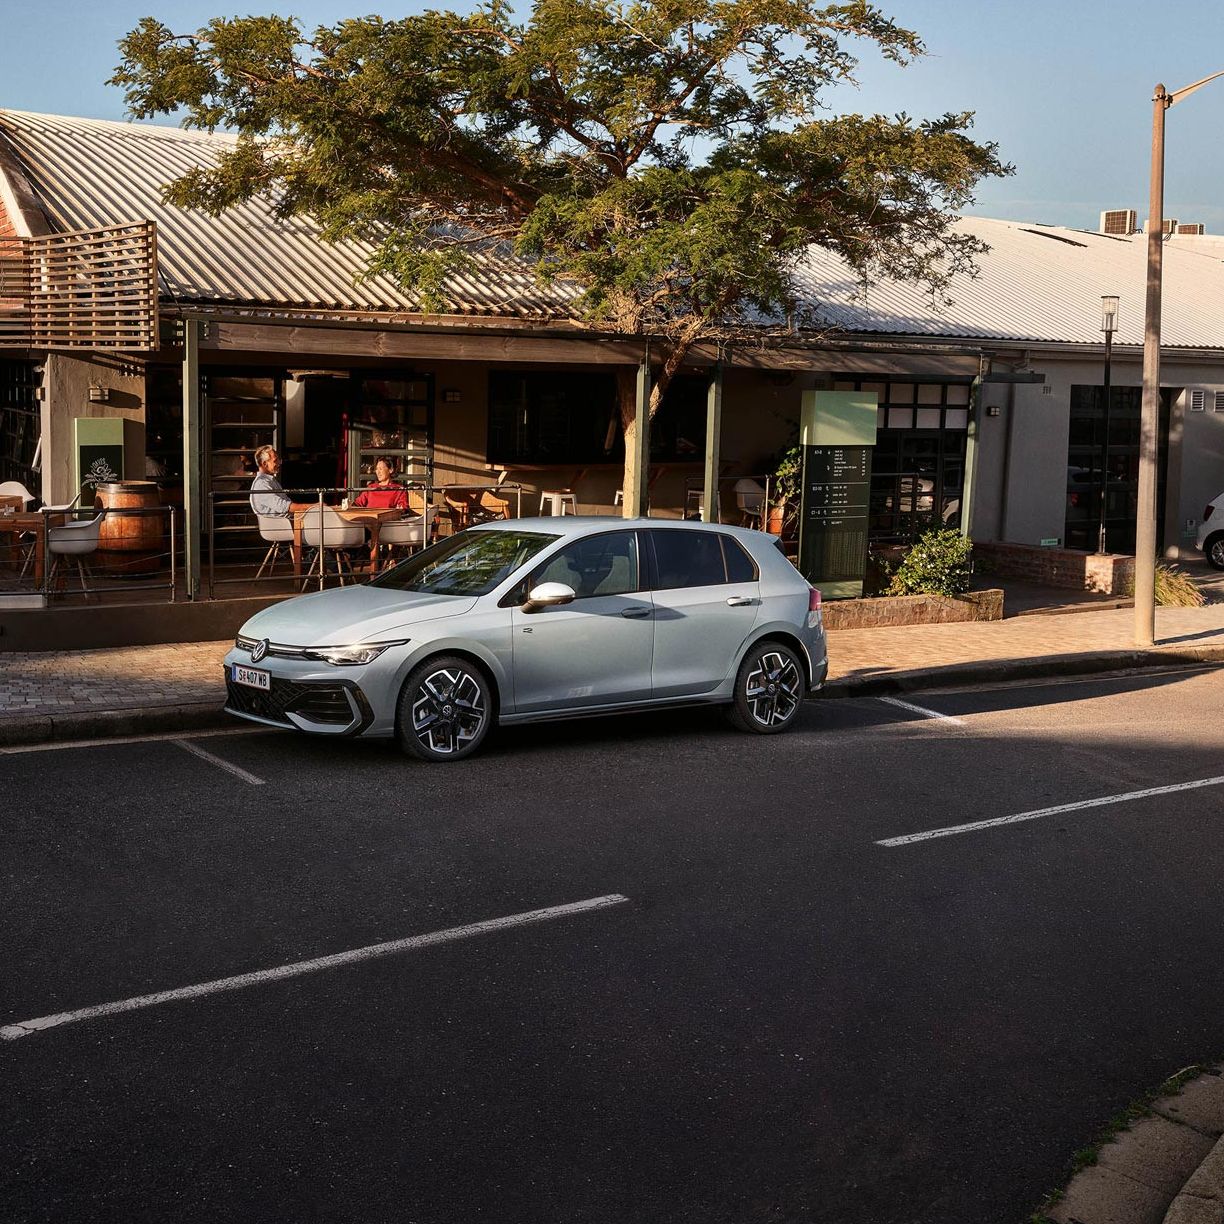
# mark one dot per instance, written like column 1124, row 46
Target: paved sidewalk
column 94, row 693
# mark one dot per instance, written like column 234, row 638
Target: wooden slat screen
column 92, row 289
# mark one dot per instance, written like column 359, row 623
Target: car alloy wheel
column 1215, row 552
column 444, row 710
column 768, row 689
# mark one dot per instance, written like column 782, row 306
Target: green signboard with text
column 837, row 433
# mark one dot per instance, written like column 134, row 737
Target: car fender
column 775, row 628
column 495, row 662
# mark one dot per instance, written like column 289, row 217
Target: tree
column 667, row 157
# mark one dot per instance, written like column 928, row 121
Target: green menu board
column 838, row 432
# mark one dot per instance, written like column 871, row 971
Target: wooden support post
column 713, row 448
column 192, row 467
column 971, row 457
column 639, row 456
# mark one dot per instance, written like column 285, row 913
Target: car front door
column 707, row 595
column 597, row 650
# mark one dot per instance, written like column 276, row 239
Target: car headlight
column 351, row 656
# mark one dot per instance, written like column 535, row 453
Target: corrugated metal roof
column 94, row 172
column 1039, row 283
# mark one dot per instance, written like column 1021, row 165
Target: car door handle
column 740, row 601
column 635, row 613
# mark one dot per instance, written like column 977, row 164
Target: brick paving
column 148, row 677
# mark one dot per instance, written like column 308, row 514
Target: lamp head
column 1109, row 313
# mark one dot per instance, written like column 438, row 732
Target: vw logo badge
column 259, row 650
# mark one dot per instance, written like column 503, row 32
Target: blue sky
column 1064, row 87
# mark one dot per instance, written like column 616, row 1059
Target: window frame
column 724, row 540
column 516, row 596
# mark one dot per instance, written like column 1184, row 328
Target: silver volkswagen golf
column 533, row 619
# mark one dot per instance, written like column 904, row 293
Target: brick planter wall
column 913, row 610
column 1110, row 573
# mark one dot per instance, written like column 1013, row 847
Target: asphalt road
column 784, row 1021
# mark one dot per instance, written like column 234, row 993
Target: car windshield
column 470, row 563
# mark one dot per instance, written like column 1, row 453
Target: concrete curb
column 995, row 670
column 205, row 715
column 111, row 724
column 1167, row 1167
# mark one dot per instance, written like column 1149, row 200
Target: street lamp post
column 1109, row 324
column 1145, row 524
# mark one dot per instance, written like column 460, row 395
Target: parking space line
column 205, row 755
column 111, row 740
column 917, row 709
column 25, row 1028
column 911, row 838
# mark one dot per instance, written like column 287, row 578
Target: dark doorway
column 1085, row 441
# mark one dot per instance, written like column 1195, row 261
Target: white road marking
column 61, row 745
column 24, row 1028
column 910, row 838
column 917, row 709
column 205, row 755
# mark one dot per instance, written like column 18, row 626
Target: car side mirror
column 548, row 595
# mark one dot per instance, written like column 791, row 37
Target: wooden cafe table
column 368, row 517
column 22, row 522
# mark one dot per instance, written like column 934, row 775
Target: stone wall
column 913, row 610
column 1109, row 573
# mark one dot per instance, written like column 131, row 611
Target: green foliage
column 784, row 486
column 671, row 157
column 938, row 564
column 1173, row 589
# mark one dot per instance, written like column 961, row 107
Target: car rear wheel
column 1213, row 550
column 445, row 710
column 768, row 689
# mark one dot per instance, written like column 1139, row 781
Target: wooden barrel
column 132, row 536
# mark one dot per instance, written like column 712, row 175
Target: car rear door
column 707, row 596
column 597, row 650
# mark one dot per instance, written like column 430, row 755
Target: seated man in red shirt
column 384, row 493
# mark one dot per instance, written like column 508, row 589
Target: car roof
column 574, row 525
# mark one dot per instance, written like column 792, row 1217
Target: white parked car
column 1210, row 540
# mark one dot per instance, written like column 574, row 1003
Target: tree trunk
column 626, row 392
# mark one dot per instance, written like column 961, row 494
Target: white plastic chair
column 750, row 499
column 14, row 488
column 408, row 532
column 325, row 531
column 28, row 542
column 75, row 540
column 274, row 530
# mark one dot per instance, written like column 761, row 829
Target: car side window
column 595, row 566
column 688, row 559
column 740, row 566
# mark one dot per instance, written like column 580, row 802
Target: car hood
column 351, row 614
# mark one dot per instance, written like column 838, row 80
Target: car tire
column 1213, row 550
column 445, row 710
column 769, row 689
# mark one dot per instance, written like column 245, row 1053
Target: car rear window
column 699, row 558
column 470, row 563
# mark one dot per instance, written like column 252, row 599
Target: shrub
column 1173, row 589
column 938, row 564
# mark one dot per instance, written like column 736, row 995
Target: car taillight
column 813, row 616
column 1208, row 510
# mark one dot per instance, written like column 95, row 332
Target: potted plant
column 784, row 491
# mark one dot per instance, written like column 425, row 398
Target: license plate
column 252, row 677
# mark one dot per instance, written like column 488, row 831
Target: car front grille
column 320, row 703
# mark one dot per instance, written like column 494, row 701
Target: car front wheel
column 445, row 710
column 1214, row 551
column 768, row 689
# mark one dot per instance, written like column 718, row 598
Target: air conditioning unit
column 1119, row 221
column 1169, row 227
column 1191, row 227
